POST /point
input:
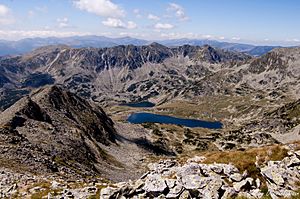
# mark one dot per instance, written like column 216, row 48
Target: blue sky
column 273, row 22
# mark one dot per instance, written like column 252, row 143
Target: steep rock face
column 55, row 130
column 213, row 55
column 277, row 69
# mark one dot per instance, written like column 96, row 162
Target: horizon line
column 253, row 43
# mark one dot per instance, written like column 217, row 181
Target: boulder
column 175, row 188
column 230, row 169
column 273, row 174
column 155, row 184
column 243, row 185
column 236, row 177
column 212, row 190
column 189, row 169
column 192, row 182
column 108, row 193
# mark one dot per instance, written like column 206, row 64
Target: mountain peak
column 59, row 127
column 156, row 44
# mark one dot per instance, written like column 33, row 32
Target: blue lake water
column 138, row 118
column 139, row 104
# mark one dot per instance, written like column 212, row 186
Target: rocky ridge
column 129, row 71
column 53, row 130
column 193, row 179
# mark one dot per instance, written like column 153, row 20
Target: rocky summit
column 53, row 130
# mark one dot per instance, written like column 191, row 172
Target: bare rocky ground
column 272, row 172
column 193, row 179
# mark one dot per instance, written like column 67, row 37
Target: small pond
column 139, row 104
column 138, row 118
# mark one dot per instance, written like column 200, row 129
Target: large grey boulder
column 175, row 188
column 155, row 184
column 282, row 176
column 243, row 185
column 212, row 190
column 192, row 182
column 108, row 192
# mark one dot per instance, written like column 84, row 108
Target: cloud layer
column 165, row 26
column 6, row 16
column 118, row 23
column 19, row 34
column 153, row 17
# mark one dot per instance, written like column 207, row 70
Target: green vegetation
column 245, row 160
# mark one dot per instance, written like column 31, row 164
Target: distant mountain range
column 26, row 45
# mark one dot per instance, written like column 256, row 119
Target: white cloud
column 20, row 34
column 236, row 38
column 179, row 11
column 189, row 35
column 103, row 8
column 117, row 23
column 132, row 34
column 131, row 25
column 136, row 11
column 153, row 17
column 207, row 36
column 165, row 26
column 4, row 10
column 63, row 23
column 6, row 16
column 176, row 35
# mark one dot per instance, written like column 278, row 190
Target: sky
column 264, row 22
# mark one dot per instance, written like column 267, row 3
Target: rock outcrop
column 169, row 179
column 283, row 177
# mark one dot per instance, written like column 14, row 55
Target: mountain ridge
column 26, row 45
column 111, row 68
column 53, row 113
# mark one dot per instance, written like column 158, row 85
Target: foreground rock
column 169, row 179
column 283, row 177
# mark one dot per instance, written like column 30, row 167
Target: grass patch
column 245, row 160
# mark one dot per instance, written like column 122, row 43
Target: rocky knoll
column 53, row 130
column 193, row 179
